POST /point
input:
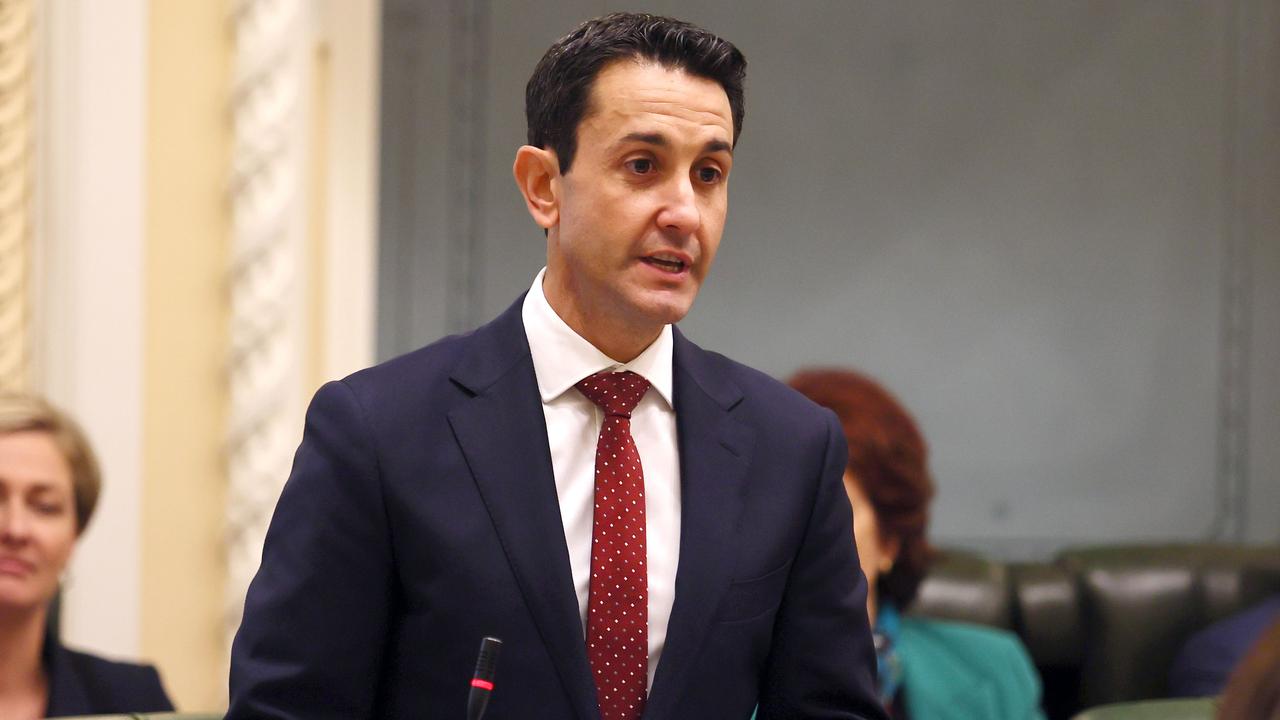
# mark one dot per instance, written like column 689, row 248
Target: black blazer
column 82, row 684
column 421, row 515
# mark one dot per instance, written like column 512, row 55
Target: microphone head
column 487, row 662
column 482, row 681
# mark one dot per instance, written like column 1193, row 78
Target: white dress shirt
column 561, row 358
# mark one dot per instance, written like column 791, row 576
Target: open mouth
column 666, row 263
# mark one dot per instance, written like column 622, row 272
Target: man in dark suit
column 651, row 529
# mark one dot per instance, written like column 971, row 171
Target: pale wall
column 1023, row 217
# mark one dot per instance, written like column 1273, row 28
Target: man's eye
column 640, row 166
column 708, row 174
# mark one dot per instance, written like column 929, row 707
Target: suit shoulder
column 474, row 358
column 416, row 366
column 118, row 686
column 766, row 393
column 111, row 668
column 391, row 397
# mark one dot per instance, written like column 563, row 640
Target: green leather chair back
column 1196, row 709
column 1102, row 623
column 1140, row 604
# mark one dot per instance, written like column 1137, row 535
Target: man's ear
column 537, row 174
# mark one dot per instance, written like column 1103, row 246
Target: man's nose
column 680, row 211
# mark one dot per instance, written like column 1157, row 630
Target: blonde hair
column 20, row 412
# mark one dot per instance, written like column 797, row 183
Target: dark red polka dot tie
column 618, row 604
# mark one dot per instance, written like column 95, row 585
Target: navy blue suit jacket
column 1205, row 662
column 82, row 684
column 421, row 515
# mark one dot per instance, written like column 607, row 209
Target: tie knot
column 615, row 393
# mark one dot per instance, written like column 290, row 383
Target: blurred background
column 1050, row 228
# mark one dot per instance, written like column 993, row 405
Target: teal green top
column 958, row 671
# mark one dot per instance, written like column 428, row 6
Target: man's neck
column 607, row 333
column 620, row 346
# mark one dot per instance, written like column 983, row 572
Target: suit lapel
column 715, row 451
column 502, row 433
column 67, row 693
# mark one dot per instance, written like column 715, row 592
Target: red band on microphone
column 482, row 684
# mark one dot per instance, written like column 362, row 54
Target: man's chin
column 668, row 311
column 647, row 309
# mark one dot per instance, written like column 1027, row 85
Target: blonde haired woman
column 49, row 484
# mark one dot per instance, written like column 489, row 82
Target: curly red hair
column 888, row 458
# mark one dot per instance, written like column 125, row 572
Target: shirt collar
column 562, row 357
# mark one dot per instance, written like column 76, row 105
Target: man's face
column 643, row 204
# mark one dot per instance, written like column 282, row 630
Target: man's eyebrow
column 660, row 140
column 651, row 138
column 718, row 146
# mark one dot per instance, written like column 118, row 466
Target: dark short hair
column 889, row 460
column 555, row 100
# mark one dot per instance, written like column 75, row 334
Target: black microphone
column 482, row 682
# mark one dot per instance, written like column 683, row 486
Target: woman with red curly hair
column 929, row 670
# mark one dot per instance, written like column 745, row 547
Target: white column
column 90, row 280
column 267, row 277
column 16, row 105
